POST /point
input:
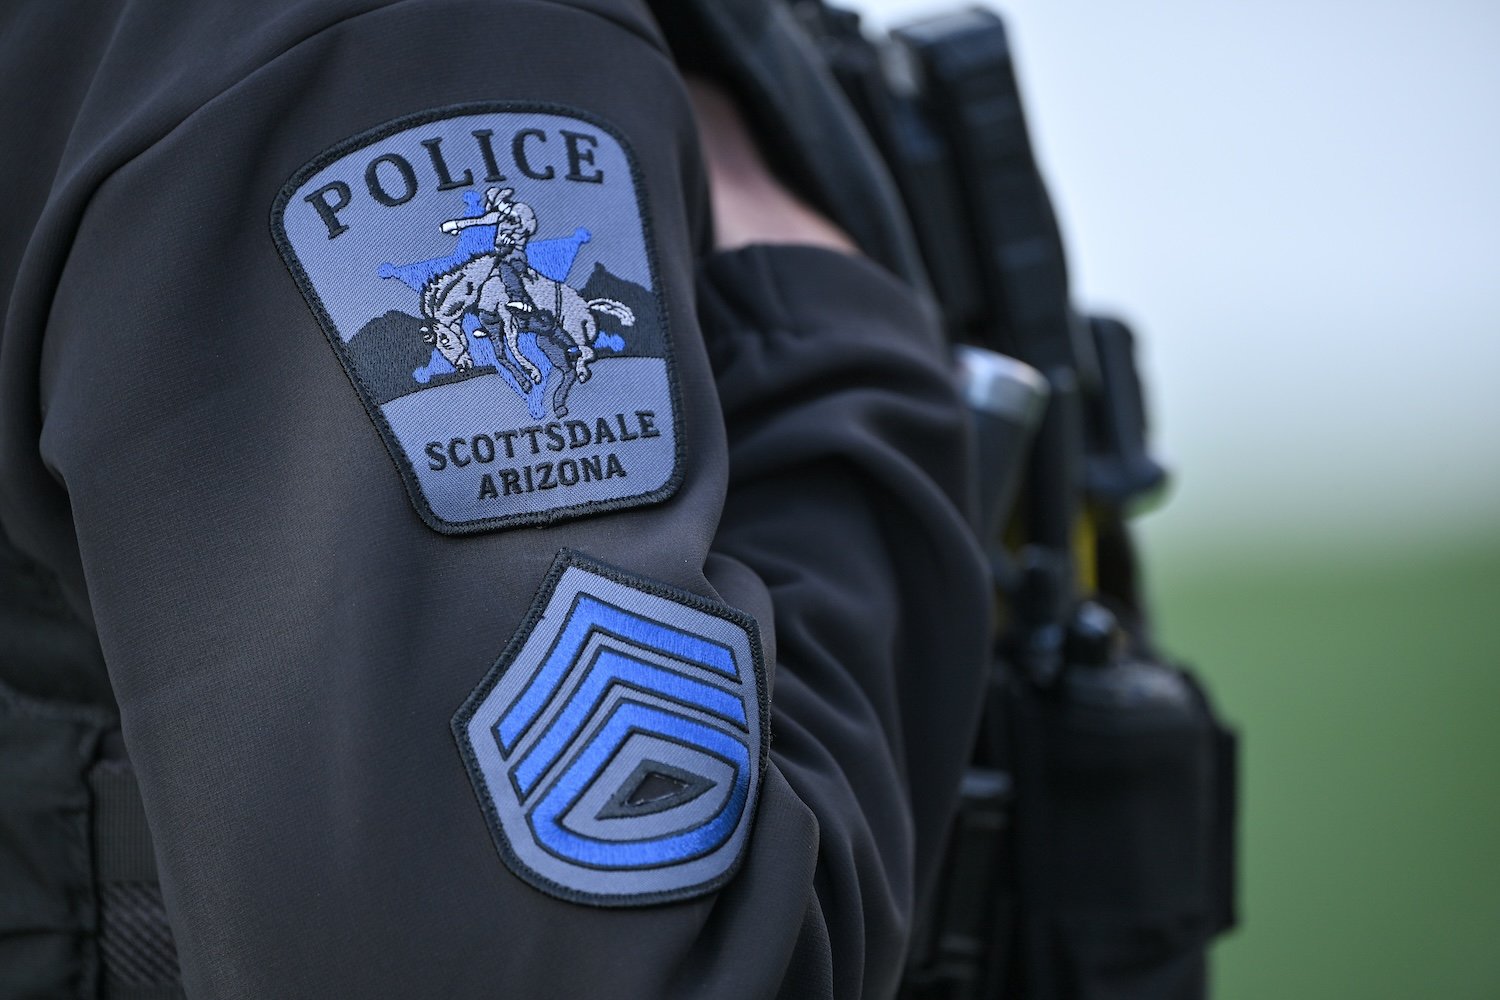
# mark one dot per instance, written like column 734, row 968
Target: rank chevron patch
column 619, row 743
column 486, row 275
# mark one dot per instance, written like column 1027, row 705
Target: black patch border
column 459, row 727
column 403, row 463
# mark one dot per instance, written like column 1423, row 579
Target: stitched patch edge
column 478, row 780
column 366, row 396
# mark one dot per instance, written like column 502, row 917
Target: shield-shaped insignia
column 619, row 742
column 486, row 275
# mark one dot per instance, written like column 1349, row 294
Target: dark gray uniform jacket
column 205, row 538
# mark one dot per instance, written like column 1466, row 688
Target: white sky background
column 1297, row 205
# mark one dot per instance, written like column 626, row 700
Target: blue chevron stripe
column 587, row 615
column 615, row 687
column 609, row 668
column 627, row 718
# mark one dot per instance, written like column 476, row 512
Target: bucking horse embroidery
column 507, row 296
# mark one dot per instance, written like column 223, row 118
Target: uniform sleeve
column 848, row 478
column 308, row 599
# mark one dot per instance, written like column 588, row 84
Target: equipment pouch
column 47, row 912
column 1123, row 831
column 81, row 914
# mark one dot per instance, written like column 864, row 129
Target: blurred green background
column 1366, row 688
column 1296, row 204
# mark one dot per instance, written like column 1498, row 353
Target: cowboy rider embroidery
column 501, row 289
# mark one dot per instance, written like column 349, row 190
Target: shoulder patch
column 618, row 744
column 487, row 277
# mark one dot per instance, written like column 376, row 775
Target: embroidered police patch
column 618, row 744
column 486, row 275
